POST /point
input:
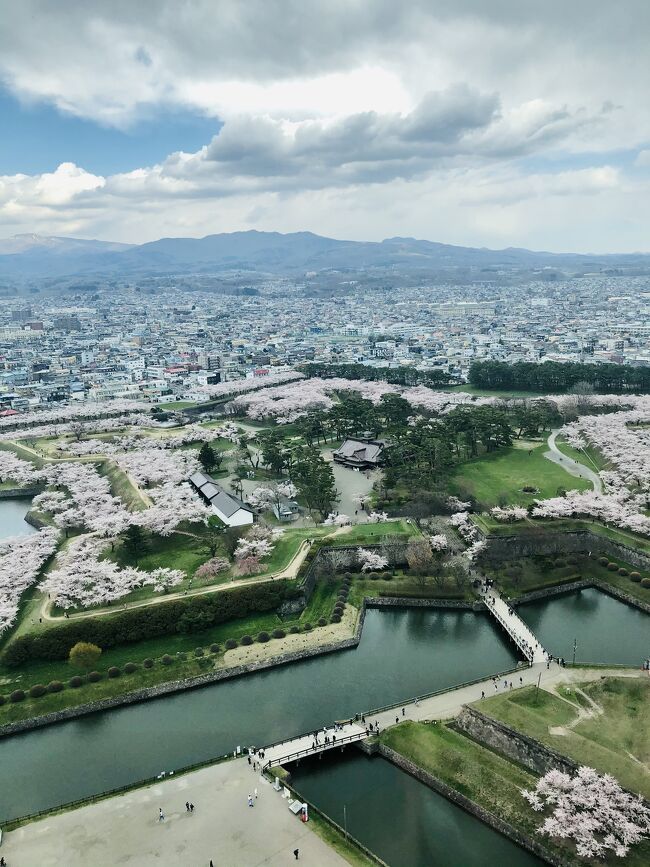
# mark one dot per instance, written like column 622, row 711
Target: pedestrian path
column 573, row 467
column 508, row 618
column 310, row 744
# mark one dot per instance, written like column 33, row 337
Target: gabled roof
column 360, row 451
column 216, row 496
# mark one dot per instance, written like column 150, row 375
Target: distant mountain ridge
column 33, row 256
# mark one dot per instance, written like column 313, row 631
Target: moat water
column 12, row 517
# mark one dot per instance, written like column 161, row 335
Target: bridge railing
column 525, row 648
column 313, row 751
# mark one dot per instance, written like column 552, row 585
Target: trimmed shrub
column 148, row 662
column 94, row 676
column 76, row 681
column 307, row 627
column 635, row 576
column 180, row 654
column 54, row 686
column 623, row 571
column 198, row 651
column 214, row 648
column 263, row 637
column 559, row 562
column 280, row 633
column 231, row 644
column 335, row 618
column 612, row 567
column 37, row 690
column 387, row 576
column 246, row 640
column 130, row 667
column 322, row 621
column 603, row 561
column 2, row 699
column 114, row 671
column 167, row 659
column 294, row 630
column 348, row 576
column 17, row 695
column 645, row 582
column 373, row 576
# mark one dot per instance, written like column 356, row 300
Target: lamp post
column 575, row 644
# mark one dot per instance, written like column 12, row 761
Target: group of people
column 189, row 808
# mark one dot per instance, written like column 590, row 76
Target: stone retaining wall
column 510, row 743
column 15, row 493
column 33, row 519
column 574, row 586
column 469, row 806
column 414, row 602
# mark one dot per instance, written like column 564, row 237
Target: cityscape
column 324, row 435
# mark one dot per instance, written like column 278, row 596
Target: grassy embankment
column 487, row 779
column 524, row 575
column 602, row 724
column 499, row 478
column 319, row 606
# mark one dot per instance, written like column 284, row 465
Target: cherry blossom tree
column 592, row 810
column 371, row 561
column 21, row 561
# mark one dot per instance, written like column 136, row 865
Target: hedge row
column 151, row 621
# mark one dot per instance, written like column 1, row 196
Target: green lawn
column 486, row 778
column 373, row 533
column 177, row 404
column 498, row 478
column 616, row 742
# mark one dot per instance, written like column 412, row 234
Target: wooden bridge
column 508, row 618
column 311, row 744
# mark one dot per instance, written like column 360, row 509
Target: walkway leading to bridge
column 508, row 618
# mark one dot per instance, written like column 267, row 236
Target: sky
column 501, row 123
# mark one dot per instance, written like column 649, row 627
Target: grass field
column 498, row 478
column 121, row 486
column 486, row 778
column 616, row 741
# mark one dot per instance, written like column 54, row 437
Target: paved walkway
column 312, row 744
column 125, row 829
column 572, row 467
column 512, row 623
column 449, row 704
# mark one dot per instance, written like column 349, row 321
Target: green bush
column 246, row 640
column 623, row 571
column 148, row 662
column 645, row 582
column 307, row 627
column 17, row 695
column 54, row 686
column 167, row 659
column 198, row 651
column 280, row 633
column 151, row 621
column 76, row 681
column 214, row 648
column 348, row 576
column 2, row 699
column 322, row 621
column 559, row 562
column 130, row 667
column 635, row 576
column 181, row 655
column 114, row 671
column 37, row 690
column 294, row 629
column 612, row 567
column 335, row 618
column 603, row 561
column 94, row 676
column 263, row 637
column 231, row 644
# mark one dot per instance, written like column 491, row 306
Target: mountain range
column 36, row 256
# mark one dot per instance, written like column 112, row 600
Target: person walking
column 396, row 720
column 161, row 815
column 296, row 853
column 191, row 808
column 250, row 800
column 187, row 806
column 482, row 694
column 403, row 711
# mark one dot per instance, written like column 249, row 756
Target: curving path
column 571, row 466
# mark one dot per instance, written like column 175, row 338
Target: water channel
column 12, row 517
column 402, row 654
column 400, row 819
column 605, row 630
